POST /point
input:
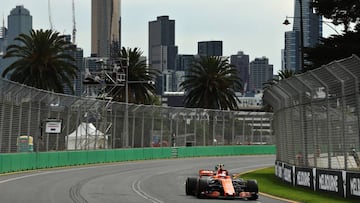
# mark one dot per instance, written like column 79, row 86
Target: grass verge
column 270, row 184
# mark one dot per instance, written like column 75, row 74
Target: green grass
column 270, row 184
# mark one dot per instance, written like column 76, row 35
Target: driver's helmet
column 219, row 167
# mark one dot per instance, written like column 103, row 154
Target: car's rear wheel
column 190, row 186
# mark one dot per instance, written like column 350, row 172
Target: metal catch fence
column 36, row 120
column 316, row 116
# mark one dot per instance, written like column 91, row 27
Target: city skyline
column 252, row 26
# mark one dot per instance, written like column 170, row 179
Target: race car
column 219, row 184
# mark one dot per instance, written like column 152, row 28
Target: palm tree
column 283, row 74
column 41, row 61
column 211, row 83
column 141, row 88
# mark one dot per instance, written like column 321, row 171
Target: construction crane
column 74, row 23
column 50, row 20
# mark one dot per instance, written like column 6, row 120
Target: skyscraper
column 78, row 55
column 312, row 32
column 260, row 72
column 162, row 51
column 105, row 27
column 241, row 62
column 210, row 48
column 3, row 31
column 19, row 22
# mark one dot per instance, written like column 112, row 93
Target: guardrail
column 13, row 162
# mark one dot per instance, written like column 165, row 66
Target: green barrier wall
column 29, row 161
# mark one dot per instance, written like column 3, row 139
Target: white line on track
column 38, row 174
column 137, row 189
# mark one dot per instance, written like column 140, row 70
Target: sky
column 252, row 26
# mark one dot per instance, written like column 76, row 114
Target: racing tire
column 251, row 186
column 201, row 187
column 253, row 197
column 190, row 186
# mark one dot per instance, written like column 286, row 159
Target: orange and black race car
column 218, row 184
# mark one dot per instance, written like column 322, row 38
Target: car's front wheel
column 190, row 186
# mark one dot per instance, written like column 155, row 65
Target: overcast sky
column 252, row 26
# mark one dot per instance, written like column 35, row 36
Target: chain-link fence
column 316, row 116
column 36, row 120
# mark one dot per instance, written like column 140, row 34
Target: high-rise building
column 241, row 62
column 210, row 48
column 3, row 33
column 19, row 22
column 260, row 72
column 78, row 55
column 105, row 27
column 162, row 51
column 183, row 63
column 312, row 32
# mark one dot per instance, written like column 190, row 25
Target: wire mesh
column 89, row 123
column 316, row 123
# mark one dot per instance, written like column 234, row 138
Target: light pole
column 126, row 104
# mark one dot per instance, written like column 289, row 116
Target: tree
column 333, row 48
column 341, row 12
column 41, row 61
column 140, row 78
column 283, row 74
column 211, row 83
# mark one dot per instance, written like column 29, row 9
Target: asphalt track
column 155, row 181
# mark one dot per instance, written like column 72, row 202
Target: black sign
column 330, row 181
column 353, row 185
column 287, row 173
column 304, row 177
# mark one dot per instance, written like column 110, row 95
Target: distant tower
column 19, row 22
column 260, row 72
column 210, row 48
column 78, row 54
column 3, row 34
column 105, row 27
column 162, row 51
column 241, row 62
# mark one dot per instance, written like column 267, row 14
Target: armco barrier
column 12, row 162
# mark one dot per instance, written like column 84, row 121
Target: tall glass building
column 210, row 48
column 19, row 22
column 260, row 72
column 242, row 64
column 105, row 27
column 312, row 32
column 163, row 52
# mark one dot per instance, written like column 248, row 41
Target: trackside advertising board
column 339, row 182
column 288, row 174
column 304, row 177
column 353, row 185
column 330, row 181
